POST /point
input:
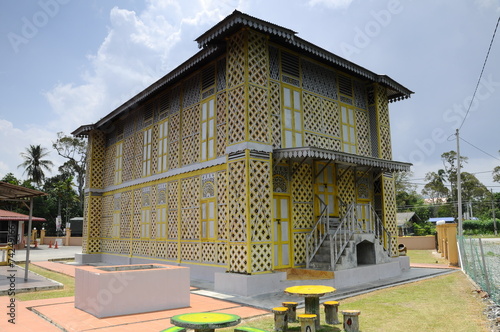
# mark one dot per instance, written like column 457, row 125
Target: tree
column 73, row 149
column 34, row 164
column 406, row 194
column 496, row 173
column 435, row 188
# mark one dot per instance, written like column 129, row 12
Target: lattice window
column 162, row 154
column 192, row 88
column 280, row 184
column 348, row 129
column 274, row 64
column 136, row 217
column 126, row 215
column 346, row 187
column 319, row 79
column 147, row 151
column 221, row 74
column 363, row 133
column 138, row 161
column 292, row 118
column 208, row 130
column 118, row 163
column 275, row 107
column 258, row 116
column 325, row 188
column 364, row 188
column 190, row 136
column 303, row 216
column 236, row 57
column 115, row 233
column 302, row 190
column 257, row 58
column 146, row 213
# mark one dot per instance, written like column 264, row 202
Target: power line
column 480, row 75
column 479, row 149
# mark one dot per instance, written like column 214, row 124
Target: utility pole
column 459, row 187
column 493, row 210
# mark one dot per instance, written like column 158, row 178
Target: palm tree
column 33, row 163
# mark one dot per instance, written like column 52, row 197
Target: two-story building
column 261, row 152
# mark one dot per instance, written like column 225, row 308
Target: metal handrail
column 342, row 235
column 318, row 234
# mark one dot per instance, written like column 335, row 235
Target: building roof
column 212, row 43
column 404, row 217
column 10, row 191
column 9, row 215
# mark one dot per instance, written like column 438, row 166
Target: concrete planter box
column 105, row 291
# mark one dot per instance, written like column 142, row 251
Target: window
column 145, row 223
column 292, row 118
column 162, row 147
column 208, row 130
column 161, row 223
column 118, row 163
column 146, row 156
column 208, row 218
column 348, row 129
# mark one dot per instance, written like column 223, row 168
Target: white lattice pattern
column 258, row 114
column 238, row 258
column 236, row 115
column 209, row 252
column 95, row 166
column 302, row 190
column 275, row 107
column 190, row 138
column 237, row 194
column 126, row 215
column 261, row 257
column 258, row 67
column 236, row 57
column 303, row 215
column 221, row 123
column 389, row 201
column 299, row 248
column 363, row 133
column 260, row 201
column 174, row 128
column 222, row 207
column 109, row 166
column 190, row 251
column 346, row 186
column 190, row 209
column 322, row 142
column 128, row 158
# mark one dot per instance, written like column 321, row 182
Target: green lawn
column 426, row 257
column 67, row 281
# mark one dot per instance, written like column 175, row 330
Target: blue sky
column 70, row 62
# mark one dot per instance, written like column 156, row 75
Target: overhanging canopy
column 340, row 157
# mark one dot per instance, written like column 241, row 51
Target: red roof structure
column 9, row 215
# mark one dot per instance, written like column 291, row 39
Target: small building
column 12, row 227
column 447, row 220
column 245, row 160
column 405, row 222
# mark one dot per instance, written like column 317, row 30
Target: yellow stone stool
column 308, row 322
column 280, row 319
column 332, row 312
column 292, row 311
column 351, row 320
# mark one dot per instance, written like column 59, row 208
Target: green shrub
column 475, row 227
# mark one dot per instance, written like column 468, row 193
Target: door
column 326, row 189
column 281, row 225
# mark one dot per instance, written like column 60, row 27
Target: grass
column 446, row 303
column 67, row 281
column 426, row 257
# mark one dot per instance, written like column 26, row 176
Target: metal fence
column 481, row 261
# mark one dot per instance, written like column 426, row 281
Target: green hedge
column 473, row 227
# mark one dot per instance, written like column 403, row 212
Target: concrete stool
column 351, row 320
column 292, row 311
column 280, row 319
column 332, row 312
column 307, row 322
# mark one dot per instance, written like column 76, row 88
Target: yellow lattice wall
column 346, row 187
column 238, row 212
column 389, row 210
column 363, row 133
column 275, row 106
column 383, row 122
column 221, row 123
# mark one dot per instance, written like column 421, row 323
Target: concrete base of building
column 248, row 285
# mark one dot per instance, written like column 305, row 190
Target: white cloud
column 334, row 4
column 489, row 4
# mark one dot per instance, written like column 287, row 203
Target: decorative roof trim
column 322, row 154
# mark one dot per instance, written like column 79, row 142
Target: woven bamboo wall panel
column 109, row 166
column 221, row 123
column 275, row 107
column 258, row 67
column 222, row 253
column 126, row 215
column 389, row 201
column 237, row 193
column 236, row 115
column 262, row 259
column 238, row 258
column 302, row 190
column 346, row 186
column 191, row 251
column 303, row 215
column 260, row 200
column 209, row 252
column 363, row 133
column 258, row 114
column 299, row 249
column 96, row 155
column 236, row 59
column 222, row 207
column 174, row 128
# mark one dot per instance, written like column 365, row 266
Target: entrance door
column 281, row 223
column 326, row 189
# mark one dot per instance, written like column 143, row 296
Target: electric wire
column 486, row 153
column 480, row 75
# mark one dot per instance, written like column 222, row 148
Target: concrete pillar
column 42, row 236
column 68, row 236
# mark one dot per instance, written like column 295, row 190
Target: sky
column 67, row 63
